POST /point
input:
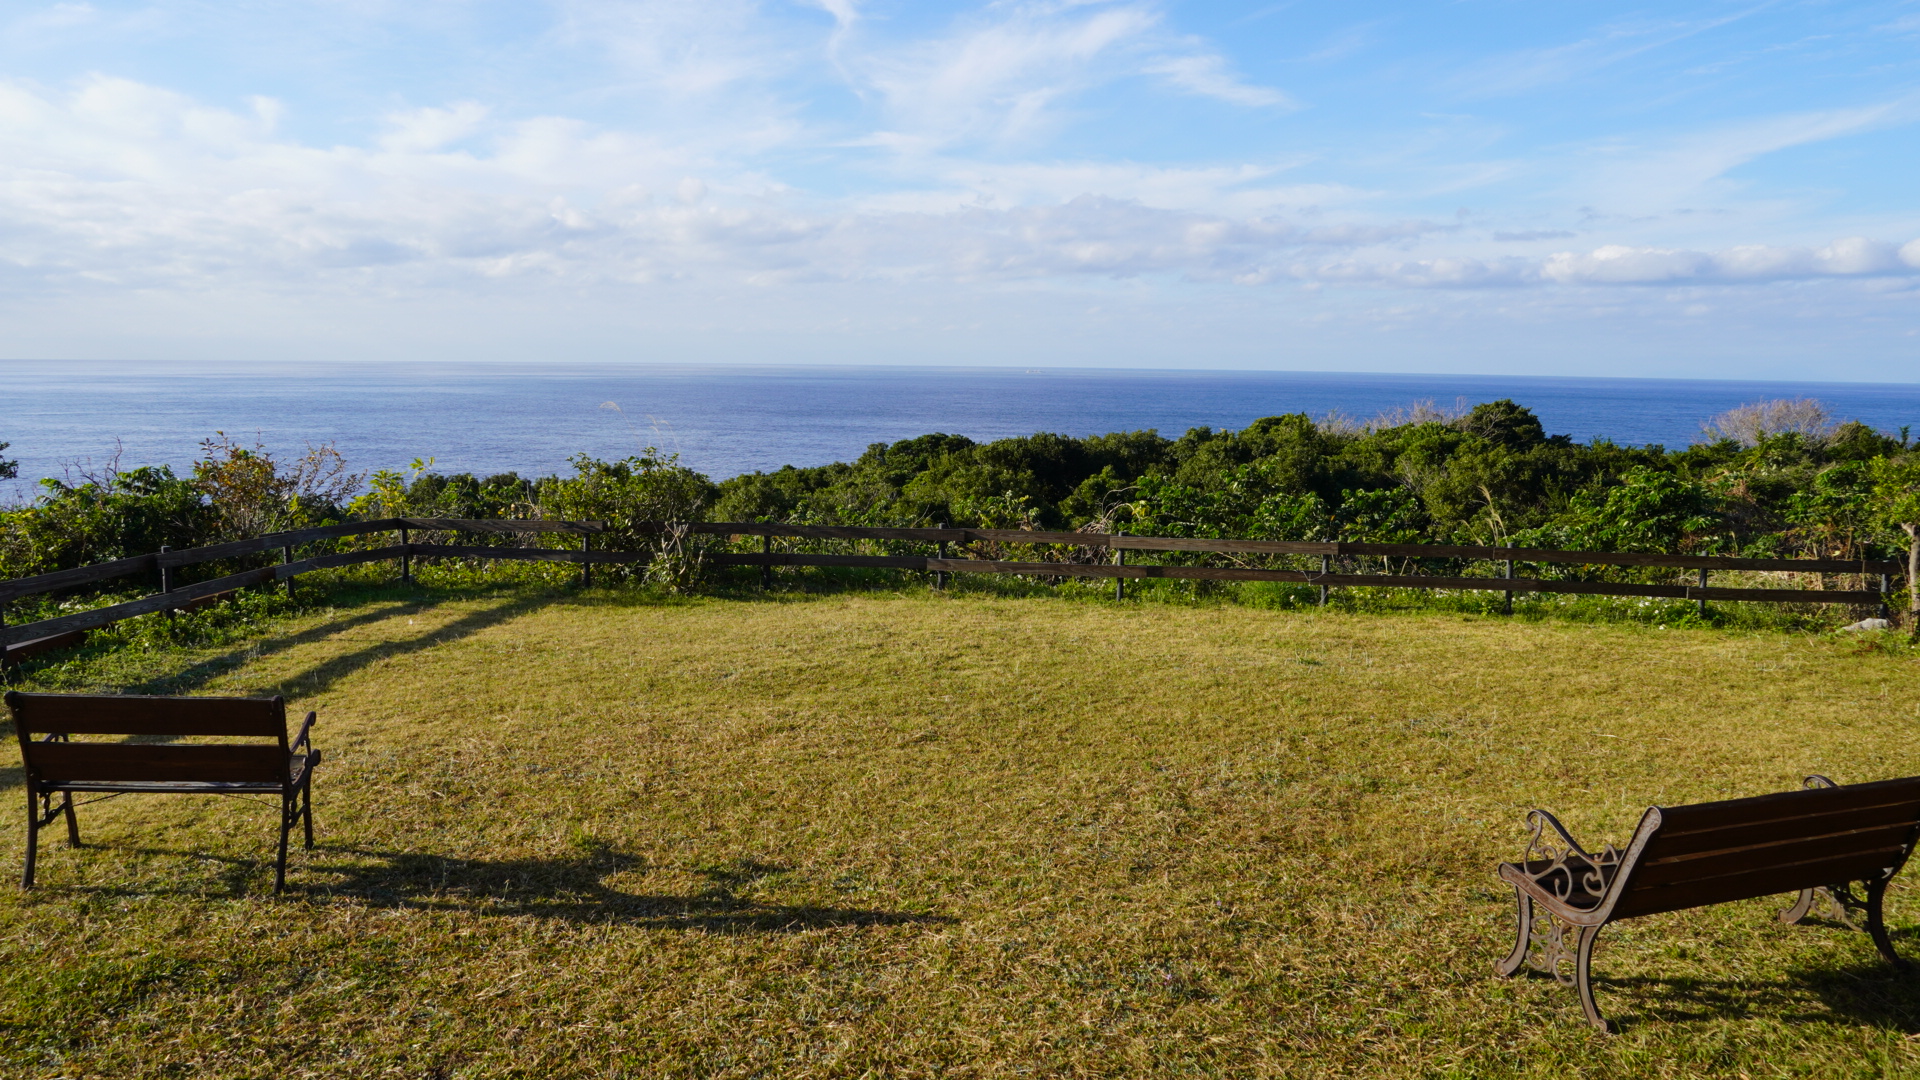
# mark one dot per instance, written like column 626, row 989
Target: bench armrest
column 1558, row 866
column 301, row 739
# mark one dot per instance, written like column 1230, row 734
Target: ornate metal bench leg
column 1876, row 891
column 73, row 823
column 1584, row 983
column 1800, row 908
column 1523, row 937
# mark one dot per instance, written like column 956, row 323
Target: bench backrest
column 88, row 714
column 1712, row 853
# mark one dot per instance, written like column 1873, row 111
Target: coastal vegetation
column 1775, row 479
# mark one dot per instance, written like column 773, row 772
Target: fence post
column 586, row 563
column 166, row 578
column 766, row 560
column 286, row 556
column 1703, row 585
column 1507, row 572
column 1886, row 610
column 1119, row 559
column 406, row 560
column 940, row 549
column 1326, row 567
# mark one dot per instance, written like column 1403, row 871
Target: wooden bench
column 56, row 765
column 1818, row 842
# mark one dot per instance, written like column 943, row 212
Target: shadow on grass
column 322, row 676
column 574, row 889
column 570, row 889
column 1872, row 993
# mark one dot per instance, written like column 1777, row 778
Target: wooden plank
column 83, row 575
column 1787, row 804
column 133, row 714
column 98, row 617
column 13, row 654
column 1756, row 883
column 1665, row 846
column 70, row 761
column 1787, row 852
column 504, row 525
column 896, row 562
column 566, row 555
column 1621, row 558
column 269, row 541
column 1290, row 547
column 1234, row 573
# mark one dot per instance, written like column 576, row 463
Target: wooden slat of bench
column 1765, row 881
column 1788, row 852
column 72, row 714
column 69, row 761
column 1787, row 804
column 1667, row 846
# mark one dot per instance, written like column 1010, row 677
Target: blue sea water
column 487, row 418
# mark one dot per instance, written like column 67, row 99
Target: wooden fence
column 24, row 639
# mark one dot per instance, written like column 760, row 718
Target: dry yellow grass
column 889, row 835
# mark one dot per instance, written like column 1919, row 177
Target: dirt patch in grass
column 871, row 835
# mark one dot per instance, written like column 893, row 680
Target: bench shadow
column 569, row 889
column 1871, row 993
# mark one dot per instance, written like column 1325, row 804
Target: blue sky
column 1692, row 189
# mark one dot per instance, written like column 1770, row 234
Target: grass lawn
column 587, row 834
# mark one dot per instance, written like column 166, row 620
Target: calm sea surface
column 728, row 420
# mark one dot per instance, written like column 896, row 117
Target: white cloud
column 1209, row 76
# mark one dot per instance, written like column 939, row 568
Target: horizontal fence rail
column 19, row 639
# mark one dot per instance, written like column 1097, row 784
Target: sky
column 1693, row 189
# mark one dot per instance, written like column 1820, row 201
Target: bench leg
column 1876, row 892
column 306, row 809
column 1583, row 961
column 33, row 839
column 287, row 814
column 1523, row 937
column 73, row 823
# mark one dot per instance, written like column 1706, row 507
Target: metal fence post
column 286, row 556
column 1507, row 572
column 586, row 560
column 940, row 549
column 766, row 560
column 1119, row 559
column 166, row 577
column 406, row 559
column 1703, row 585
column 1886, row 610
column 1326, row 567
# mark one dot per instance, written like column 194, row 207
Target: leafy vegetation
column 1772, row 479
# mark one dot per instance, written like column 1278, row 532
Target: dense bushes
column 1776, row 479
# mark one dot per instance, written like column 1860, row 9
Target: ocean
column 66, row 416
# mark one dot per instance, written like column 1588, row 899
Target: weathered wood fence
column 1111, row 548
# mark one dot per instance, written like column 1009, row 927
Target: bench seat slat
column 1668, row 845
column 1713, row 864
column 1787, row 805
column 1766, row 881
column 58, row 761
column 42, row 714
column 166, row 787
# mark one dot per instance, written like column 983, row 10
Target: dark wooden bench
column 1819, row 842
column 58, row 767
